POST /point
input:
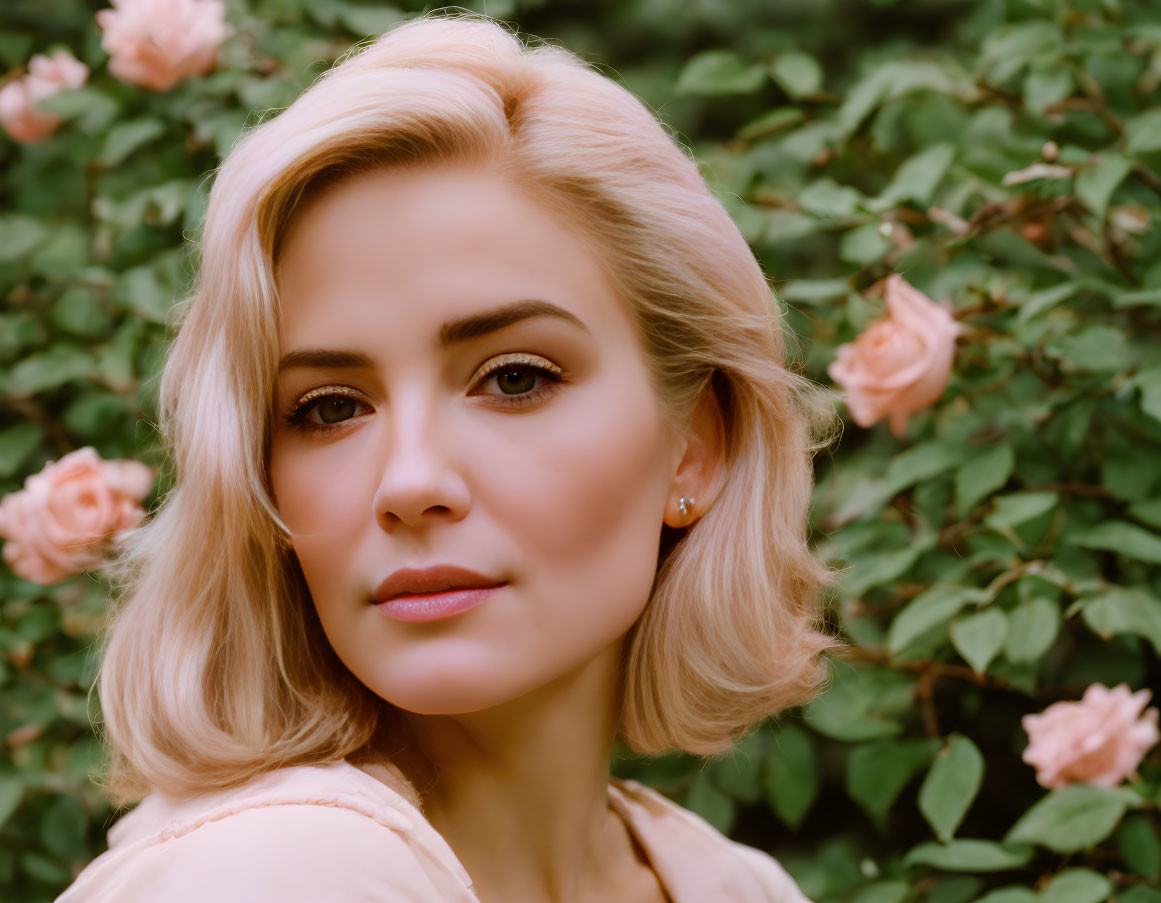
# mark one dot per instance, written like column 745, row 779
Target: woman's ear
column 700, row 473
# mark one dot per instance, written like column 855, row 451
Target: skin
column 422, row 463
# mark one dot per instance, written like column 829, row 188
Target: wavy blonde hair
column 215, row 668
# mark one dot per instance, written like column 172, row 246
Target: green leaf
column 877, row 772
column 58, row 365
column 954, row 888
column 77, row 312
column 1074, row 818
column 710, row 803
column 374, row 20
column 1020, row 507
column 860, row 703
column 951, row 785
column 11, row 793
column 888, row 891
column 811, row 291
column 1032, row 629
column 771, row 121
column 1124, row 610
column 1096, row 184
column 143, row 291
column 791, row 779
column 979, row 637
column 738, row 772
column 91, row 415
column 1143, row 133
column 1009, row 48
column 930, row 609
column 1149, row 511
column 827, row 199
column 1012, row 893
column 44, row 868
column 1139, row 893
column 19, row 235
column 1077, row 885
column 916, row 178
column 971, row 855
column 982, row 475
column 88, row 109
column 1046, row 299
column 1148, row 381
column 1139, row 845
column 892, row 80
column 1150, row 297
column 798, row 74
column 883, row 567
column 719, row 72
column 17, row 443
column 62, row 828
column 924, row 462
column 1121, row 537
column 1096, row 348
column 126, row 137
column 1044, row 87
column 864, row 245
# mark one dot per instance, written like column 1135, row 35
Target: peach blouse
column 334, row 832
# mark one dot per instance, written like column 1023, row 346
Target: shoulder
column 689, row 851
column 284, row 852
column 296, row 834
column 771, row 874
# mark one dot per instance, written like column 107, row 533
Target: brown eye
column 516, row 380
column 516, row 375
column 334, row 409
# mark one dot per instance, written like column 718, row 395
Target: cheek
column 588, row 508
column 324, row 505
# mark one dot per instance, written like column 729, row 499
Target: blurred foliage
column 1002, row 557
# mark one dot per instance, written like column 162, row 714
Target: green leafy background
column 1002, row 556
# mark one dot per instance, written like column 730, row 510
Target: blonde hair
column 215, row 667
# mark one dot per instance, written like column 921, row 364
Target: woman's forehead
column 439, row 245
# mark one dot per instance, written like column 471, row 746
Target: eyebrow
column 453, row 332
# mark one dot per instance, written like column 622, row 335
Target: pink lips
column 434, row 606
column 433, row 593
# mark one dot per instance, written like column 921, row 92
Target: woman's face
column 414, row 456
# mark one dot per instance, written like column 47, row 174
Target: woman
column 485, row 455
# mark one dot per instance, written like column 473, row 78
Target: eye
column 515, row 375
column 330, row 404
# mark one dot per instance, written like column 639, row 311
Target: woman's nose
column 419, row 482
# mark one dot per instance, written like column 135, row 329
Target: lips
column 410, row 581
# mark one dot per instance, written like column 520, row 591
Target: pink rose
column 157, row 43
column 46, row 76
column 1098, row 740
column 899, row 364
column 59, row 524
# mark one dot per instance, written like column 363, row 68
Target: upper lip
column 430, row 580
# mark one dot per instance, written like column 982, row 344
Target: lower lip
column 435, row 606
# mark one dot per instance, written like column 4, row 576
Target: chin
column 447, row 691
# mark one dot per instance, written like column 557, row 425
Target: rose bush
column 60, row 523
column 899, row 364
column 1101, row 739
column 1000, row 554
column 157, row 43
column 47, row 76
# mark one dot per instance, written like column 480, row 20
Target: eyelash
column 296, row 418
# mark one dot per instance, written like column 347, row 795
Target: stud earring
column 681, row 504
